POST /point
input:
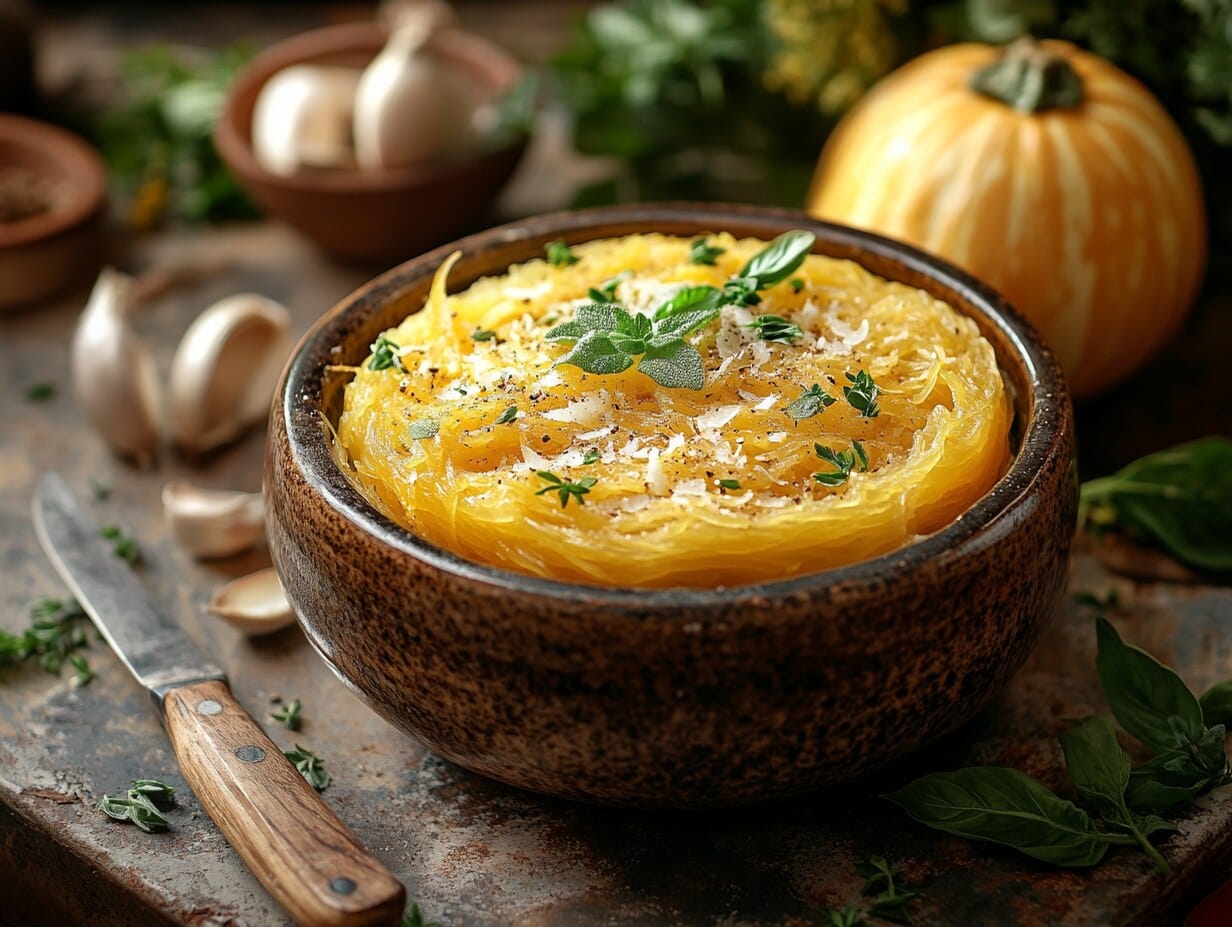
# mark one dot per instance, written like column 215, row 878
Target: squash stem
column 1030, row 78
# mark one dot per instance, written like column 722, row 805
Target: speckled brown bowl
column 679, row 697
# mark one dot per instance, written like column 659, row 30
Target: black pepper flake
column 546, row 438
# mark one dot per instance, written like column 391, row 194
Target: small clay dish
column 369, row 216
column 52, row 202
column 676, row 697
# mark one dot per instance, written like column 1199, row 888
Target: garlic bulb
column 254, row 604
column 303, row 118
column 225, row 369
column 114, row 377
column 211, row 523
column 411, row 106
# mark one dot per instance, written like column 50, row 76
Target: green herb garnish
column 560, row 254
column 482, row 334
column 843, row 462
column 414, row 918
column 885, row 899
column 775, row 328
column 311, row 767
column 289, row 715
column 702, row 252
column 1153, row 704
column 161, row 794
column 142, row 805
column 809, row 403
column 100, row 490
column 590, row 458
column 1180, row 498
column 40, row 392
column 730, row 484
column 82, row 673
column 385, row 355
column 565, row 489
column 507, row 416
column 423, row 428
column 846, row 916
column 124, row 545
column 56, row 630
column 797, row 284
column 862, row 394
column 607, row 292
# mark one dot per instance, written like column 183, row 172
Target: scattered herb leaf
column 779, row 259
column 82, row 674
column 507, row 416
column 55, row 631
column 702, row 252
column 809, row 403
column 141, row 805
column 423, row 428
column 862, row 394
column 797, row 284
column 40, row 392
column 289, row 715
column 311, row 767
column 886, row 899
column 124, row 545
column 385, row 355
column 843, row 462
column 775, row 328
column 560, row 254
column 157, row 791
column 482, row 334
column 591, row 458
column 414, row 918
column 607, row 292
column 846, row 916
column 730, row 484
column 565, row 489
column 1180, row 498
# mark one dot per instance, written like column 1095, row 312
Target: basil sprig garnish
column 1180, row 498
column 1152, row 703
column 606, row 339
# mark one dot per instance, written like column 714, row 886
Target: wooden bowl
column 48, row 252
column 368, row 216
column 677, row 697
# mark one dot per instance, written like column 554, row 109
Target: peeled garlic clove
column 303, row 118
column 410, row 106
column 225, row 369
column 114, row 378
column 254, row 604
column 211, row 523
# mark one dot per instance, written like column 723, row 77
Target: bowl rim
column 1048, row 419
column 233, row 139
column 74, row 158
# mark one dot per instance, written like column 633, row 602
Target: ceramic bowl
column 46, row 253
column 676, row 697
column 369, row 216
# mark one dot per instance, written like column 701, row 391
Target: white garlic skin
column 254, row 604
column 114, row 378
column 303, row 119
column 212, row 523
column 412, row 106
column 225, row 369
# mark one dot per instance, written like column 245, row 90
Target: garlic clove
column 211, row 523
column 254, row 604
column 410, row 106
column 225, row 369
column 303, row 118
column 114, row 377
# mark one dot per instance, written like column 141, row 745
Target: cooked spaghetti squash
column 808, row 421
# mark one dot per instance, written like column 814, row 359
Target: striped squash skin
column 1089, row 220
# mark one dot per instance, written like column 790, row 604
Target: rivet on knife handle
column 290, row 839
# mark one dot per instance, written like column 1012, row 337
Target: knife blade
column 290, row 839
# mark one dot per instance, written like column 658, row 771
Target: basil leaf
column 1154, row 785
column 592, row 317
column 1148, row 699
column 1180, row 498
column 1216, row 703
column 1097, row 765
column 682, row 323
column 1008, row 807
column 675, row 365
column 689, row 299
column 779, row 259
column 595, row 353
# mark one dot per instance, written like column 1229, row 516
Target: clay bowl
column 679, row 697
column 50, row 251
column 368, row 217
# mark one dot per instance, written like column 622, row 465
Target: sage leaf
column 1181, row 498
column 1148, row 699
column 601, row 317
column 674, row 364
column 423, row 428
column 595, row 353
column 779, row 259
column 809, row 403
column 1216, row 703
column 1006, row 806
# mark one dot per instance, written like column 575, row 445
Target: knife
column 290, row 839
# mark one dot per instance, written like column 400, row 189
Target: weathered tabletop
column 475, row 853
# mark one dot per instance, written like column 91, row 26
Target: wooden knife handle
column 290, row 839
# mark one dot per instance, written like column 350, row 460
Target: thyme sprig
column 565, row 489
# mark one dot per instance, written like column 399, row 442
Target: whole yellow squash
column 1045, row 171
